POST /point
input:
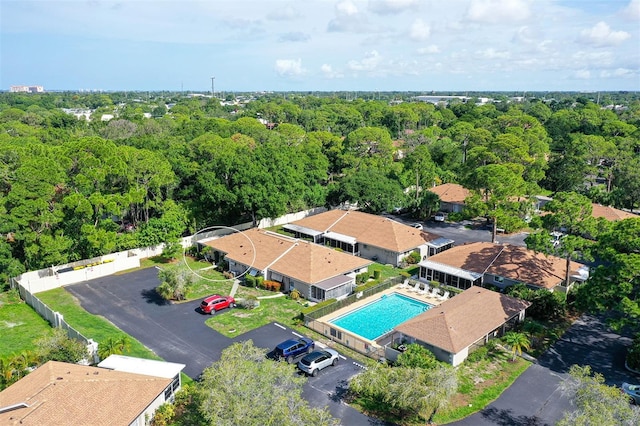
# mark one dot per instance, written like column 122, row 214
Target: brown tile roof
column 451, row 192
column 68, row 394
column 464, row 319
column 508, row 261
column 298, row 259
column 366, row 228
column 610, row 213
column 239, row 247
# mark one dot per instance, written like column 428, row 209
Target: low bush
column 272, row 285
column 317, row 306
column 250, row 281
column 294, row 295
column 633, row 354
column 377, row 274
column 250, row 302
column 362, row 278
column 479, row 354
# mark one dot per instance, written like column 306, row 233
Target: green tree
column 517, row 342
column 114, row 346
column 174, row 282
column 417, row 356
column 246, row 388
column 596, row 403
column 59, row 347
column 406, row 391
column 371, row 189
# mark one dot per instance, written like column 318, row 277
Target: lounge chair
column 435, row 292
column 405, row 284
column 445, row 296
column 415, row 288
column 425, row 290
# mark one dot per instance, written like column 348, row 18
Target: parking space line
column 281, row 326
column 296, row 334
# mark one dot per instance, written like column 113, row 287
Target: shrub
column 377, row 274
column 455, row 217
column 633, row 355
column 405, row 274
column 228, row 275
column 250, row 302
column 362, row 278
column 260, row 281
column 250, row 281
column 164, row 415
column 317, row 306
column 479, row 354
column 413, row 258
column 295, row 294
column 417, row 356
column 272, row 285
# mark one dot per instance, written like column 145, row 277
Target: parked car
column 417, row 226
column 440, row 217
column 290, row 349
column 556, row 238
column 214, row 303
column 317, row 360
column 633, row 391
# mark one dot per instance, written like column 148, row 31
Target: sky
column 321, row 45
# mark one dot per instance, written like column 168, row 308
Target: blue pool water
column 377, row 318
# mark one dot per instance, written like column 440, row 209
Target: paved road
column 463, row 232
column 178, row 333
column 535, row 398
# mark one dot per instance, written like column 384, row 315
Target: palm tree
column 517, row 342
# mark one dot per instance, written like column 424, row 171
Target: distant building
column 26, row 89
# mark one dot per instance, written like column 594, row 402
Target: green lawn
column 91, row 326
column 20, row 326
column 282, row 310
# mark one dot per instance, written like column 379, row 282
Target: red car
column 216, row 302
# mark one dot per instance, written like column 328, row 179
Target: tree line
column 73, row 189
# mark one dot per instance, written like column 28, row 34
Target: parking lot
column 178, row 333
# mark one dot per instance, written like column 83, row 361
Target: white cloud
column 498, row 11
column 632, row 11
column 420, row 30
column 582, row 74
column 370, row 62
column 491, row 53
column 392, row 7
column 432, row 48
column 347, row 18
column 619, row 73
column 289, row 67
column 294, row 37
column 286, row 13
column 602, row 35
column 328, row 72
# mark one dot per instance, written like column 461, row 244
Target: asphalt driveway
column 535, row 398
column 178, row 333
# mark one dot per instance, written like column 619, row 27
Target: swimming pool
column 377, row 318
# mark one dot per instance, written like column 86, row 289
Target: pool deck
column 364, row 301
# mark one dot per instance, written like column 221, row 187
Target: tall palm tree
column 517, row 342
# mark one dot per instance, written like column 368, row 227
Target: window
column 336, row 333
column 498, row 279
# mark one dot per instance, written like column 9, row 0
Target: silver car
column 317, row 360
column 633, row 391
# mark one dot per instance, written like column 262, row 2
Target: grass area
column 479, row 384
column 20, row 326
column 91, row 326
column 282, row 310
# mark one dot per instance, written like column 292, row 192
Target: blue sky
column 321, row 45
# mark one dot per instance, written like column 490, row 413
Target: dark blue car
column 290, row 349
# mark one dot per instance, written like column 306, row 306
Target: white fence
column 32, row 282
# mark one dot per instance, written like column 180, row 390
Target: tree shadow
column 507, row 418
column 152, row 296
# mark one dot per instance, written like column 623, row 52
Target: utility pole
column 213, row 91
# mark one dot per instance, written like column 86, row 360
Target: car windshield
column 307, row 360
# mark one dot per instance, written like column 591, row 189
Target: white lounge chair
column 425, row 290
column 435, row 292
column 405, row 284
column 445, row 296
column 415, row 288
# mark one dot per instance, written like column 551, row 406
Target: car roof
column 215, row 296
column 287, row 343
column 314, row 355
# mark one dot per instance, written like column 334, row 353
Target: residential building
column 501, row 265
column 317, row 272
column 457, row 326
column 610, row 213
column 366, row 235
column 26, row 89
column 452, row 196
column 59, row 393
